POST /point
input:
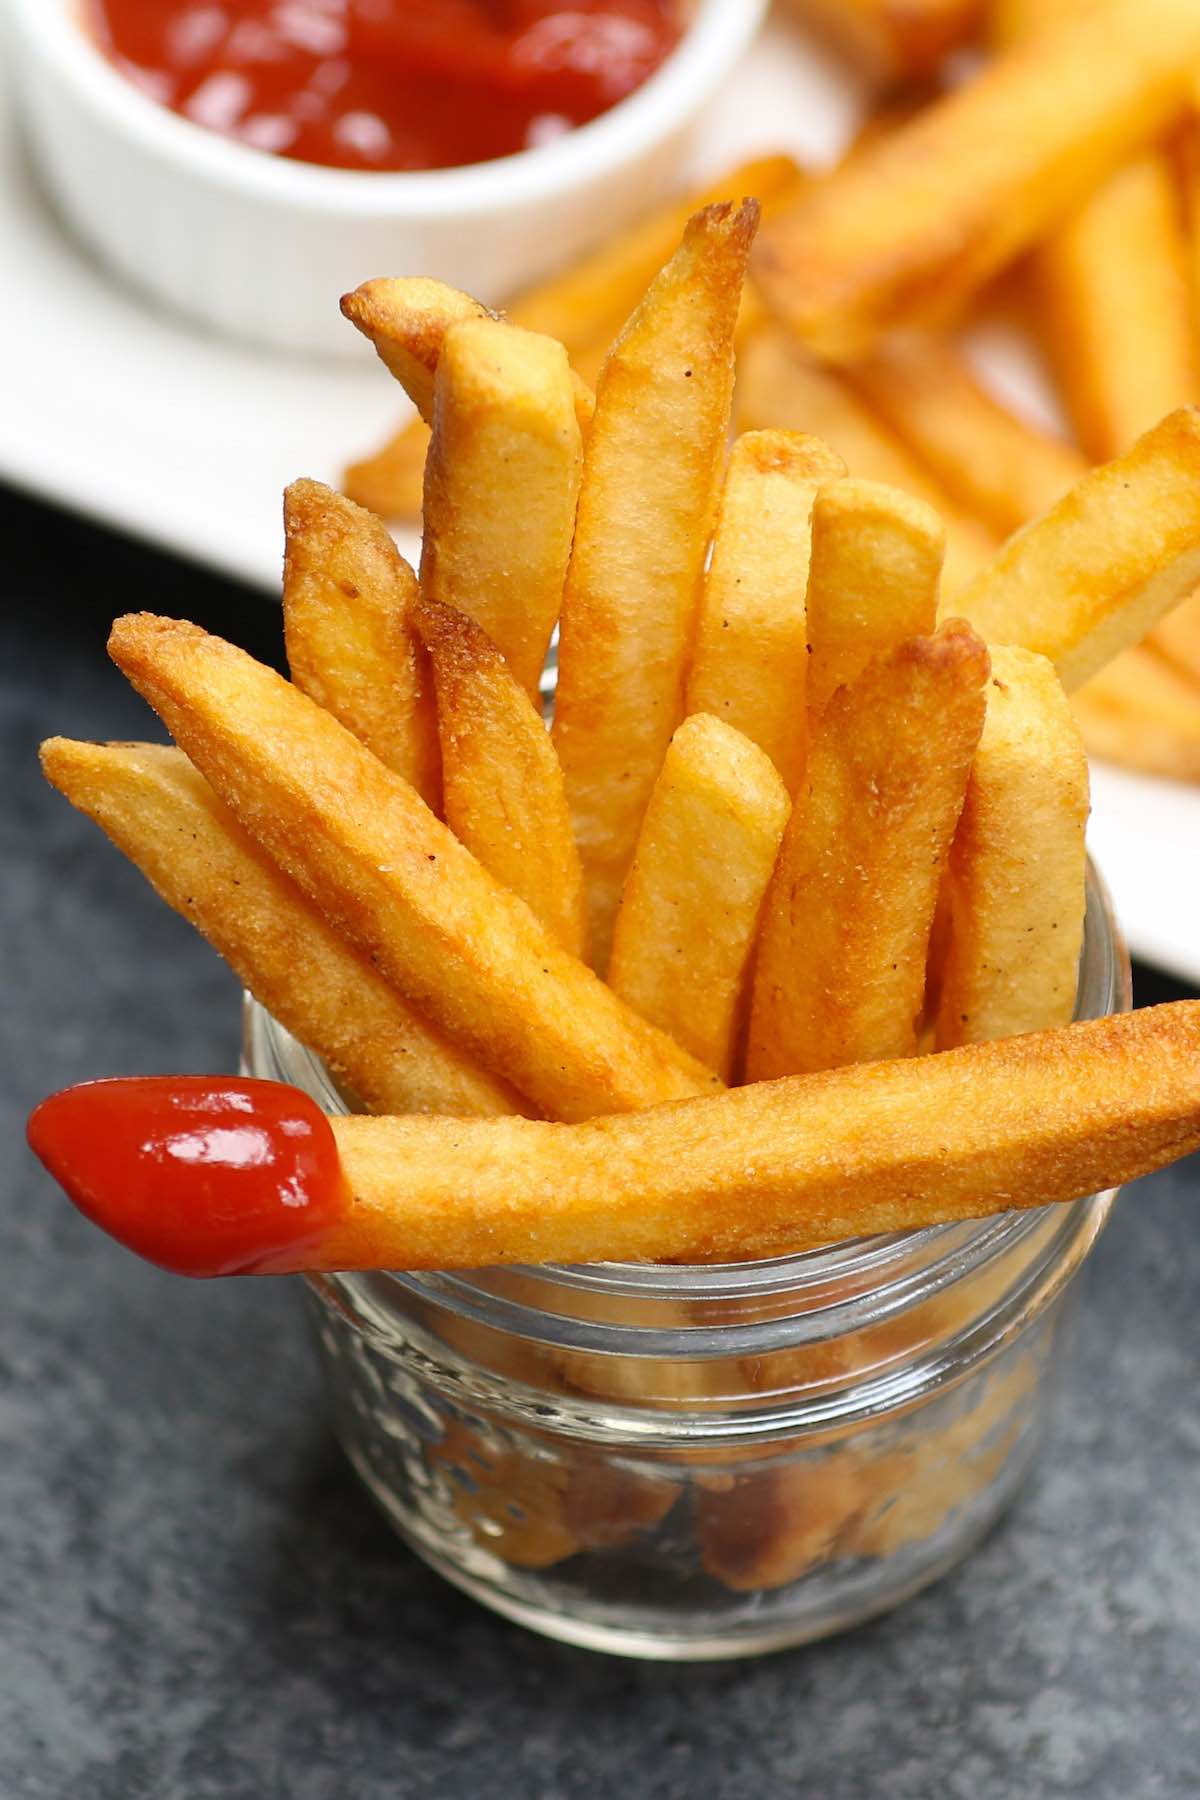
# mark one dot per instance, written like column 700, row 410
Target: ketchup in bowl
column 388, row 84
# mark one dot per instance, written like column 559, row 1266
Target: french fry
column 749, row 664
column 347, row 592
column 781, row 1166
column 872, row 580
column 1015, row 884
column 840, row 974
column 501, row 484
column 646, row 508
column 689, row 913
column 895, row 40
column 779, row 385
column 162, row 813
column 392, row 878
column 997, row 466
column 1140, row 712
column 406, row 319
column 1114, row 555
column 1112, row 286
column 906, row 232
column 502, row 788
column 1114, row 300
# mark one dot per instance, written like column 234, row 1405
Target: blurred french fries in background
column 1141, row 712
column 647, row 502
column 390, row 481
column 779, row 385
column 1111, row 284
column 347, row 593
column 990, row 462
column 906, row 232
column 750, row 659
column 1176, row 638
column 156, row 808
column 1114, row 298
column 874, row 565
column 502, row 788
column 894, row 40
column 1017, row 863
column 501, row 483
column 689, row 912
column 840, row 973
column 396, row 882
column 1112, row 557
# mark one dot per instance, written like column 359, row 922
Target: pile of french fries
column 794, row 818
column 1076, row 151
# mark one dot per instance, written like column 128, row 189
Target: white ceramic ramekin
column 263, row 247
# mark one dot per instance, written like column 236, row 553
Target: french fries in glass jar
column 765, row 955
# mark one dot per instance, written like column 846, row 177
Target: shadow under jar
column 702, row 1461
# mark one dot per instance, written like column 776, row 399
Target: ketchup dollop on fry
column 201, row 1174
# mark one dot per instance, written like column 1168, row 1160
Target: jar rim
column 885, row 1273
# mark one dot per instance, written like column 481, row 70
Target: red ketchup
column 388, row 84
column 201, row 1174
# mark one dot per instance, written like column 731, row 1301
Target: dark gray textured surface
column 197, row 1602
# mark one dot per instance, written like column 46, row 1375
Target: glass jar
column 702, row 1461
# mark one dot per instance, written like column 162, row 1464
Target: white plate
column 188, row 440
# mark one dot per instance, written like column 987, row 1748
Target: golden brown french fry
column 1176, row 637
column 162, row 813
column 407, row 318
column 779, row 385
column 390, row 481
column 347, row 592
column 904, row 233
column 895, row 40
column 840, row 973
column 749, row 664
column 996, row 465
column 1112, row 286
column 1015, row 885
column 501, row 485
column 1141, row 713
column 502, row 788
column 1114, row 555
column 589, row 302
column 689, row 913
column 646, row 507
column 392, row 878
column 872, row 580
column 781, row 1166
